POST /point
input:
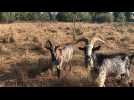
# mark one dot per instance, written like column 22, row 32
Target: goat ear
column 56, row 47
column 80, row 48
column 48, row 44
column 60, row 50
column 96, row 48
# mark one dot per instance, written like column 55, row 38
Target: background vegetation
column 99, row 17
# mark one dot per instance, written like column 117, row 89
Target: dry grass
column 21, row 49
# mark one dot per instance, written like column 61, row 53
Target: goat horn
column 95, row 40
column 82, row 39
column 48, row 44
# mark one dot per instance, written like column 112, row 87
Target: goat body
column 119, row 64
column 64, row 55
column 61, row 54
column 104, row 64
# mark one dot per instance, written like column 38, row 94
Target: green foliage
column 52, row 15
column 66, row 16
column 0, row 16
column 102, row 17
column 7, row 16
column 84, row 16
column 32, row 16
column 25, row 16
column 70, row 16
column 44, row 16
column 119, row 17
column 128, row 16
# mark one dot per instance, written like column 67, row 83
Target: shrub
column 69, row 16
column 119, row 17
column 65, row 16
column 104, row 17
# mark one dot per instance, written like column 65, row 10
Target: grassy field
column 21, row 61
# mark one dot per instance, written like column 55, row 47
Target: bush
column 84, row 16
column 65, row 16
column 43, row 16
column 128, row 16
column 119, row 17
column 32, row 16
column 7, row 16
column 69, row 16
column 22, row 16
column 104, row 17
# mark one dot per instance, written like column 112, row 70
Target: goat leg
column 49, row 73
column 101, row 78
column 70, row 66
column 58, row 73
column 65, row 66
column 60, row 65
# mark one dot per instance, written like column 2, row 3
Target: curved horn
column 48, row 44
column 95, row 39
column 82, row 39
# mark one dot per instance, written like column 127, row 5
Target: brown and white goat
column 61, row 55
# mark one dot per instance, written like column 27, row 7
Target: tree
column 65, row 16
column 84, row 16
column 128, row 16
column 44, row 16
column 119, row 16
column 69, row 16
column 8, row 16
column 101, row 17
column 52, row 15
column 0, row 16
column 34, row 16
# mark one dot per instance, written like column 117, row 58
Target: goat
column 64, row 55
column 61, row 54
column 88, row 49
column 104, row 64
